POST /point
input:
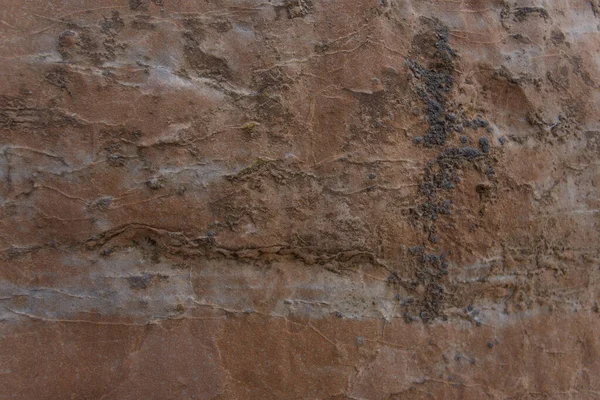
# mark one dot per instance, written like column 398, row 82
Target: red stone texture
column 299, row 199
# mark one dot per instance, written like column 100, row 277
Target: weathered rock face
column 299, row 199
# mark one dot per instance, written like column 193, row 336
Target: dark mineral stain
column 145, row 280
column 484, row 144
column 435, row 79
column 298, row 8
column 143, row 5
column 58, row 77
column 522, row 13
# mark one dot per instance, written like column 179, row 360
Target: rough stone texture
column 299, row 199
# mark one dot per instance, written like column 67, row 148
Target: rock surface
column 299, row 199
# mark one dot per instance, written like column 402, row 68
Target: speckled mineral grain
column 299, row 199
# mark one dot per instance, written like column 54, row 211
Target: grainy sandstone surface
column 299, row 199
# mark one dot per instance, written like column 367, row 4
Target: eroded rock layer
column 299, row 199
